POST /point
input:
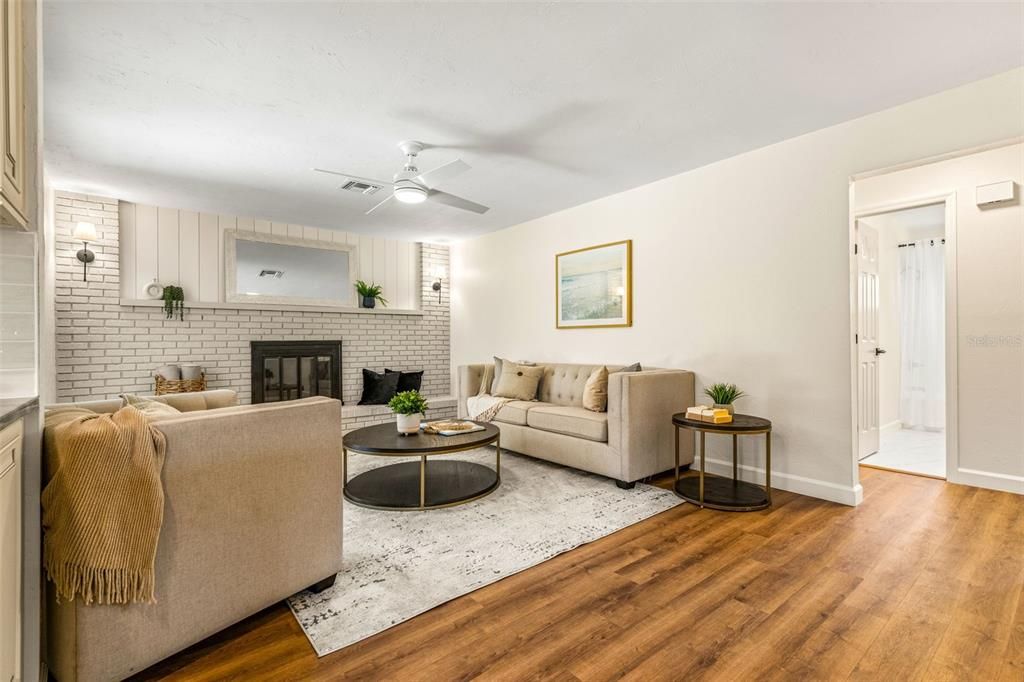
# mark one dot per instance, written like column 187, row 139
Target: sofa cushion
column 570, row 420
column 514, row 412
column 183, row 402
column 564, row 384
column 149, row 407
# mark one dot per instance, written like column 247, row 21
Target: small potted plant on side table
column 724, row 395
column 408, row 407
column 370, row 294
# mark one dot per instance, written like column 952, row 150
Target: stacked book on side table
column 707, row 413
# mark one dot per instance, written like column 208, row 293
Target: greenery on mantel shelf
column 408, row 402
column 369, row 293
column 174, row 302
column 724, row 394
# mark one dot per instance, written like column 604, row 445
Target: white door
column 867, row 339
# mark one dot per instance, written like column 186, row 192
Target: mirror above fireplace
column 276, row 269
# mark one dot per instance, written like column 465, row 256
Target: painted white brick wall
column 105, row 349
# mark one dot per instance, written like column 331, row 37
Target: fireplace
column 288, row 370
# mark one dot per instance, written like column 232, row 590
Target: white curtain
column 923, row 335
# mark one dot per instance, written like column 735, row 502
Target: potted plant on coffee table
column 724, row 395
column 408, row 407
column 369, row 294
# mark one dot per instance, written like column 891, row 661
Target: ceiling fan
column 412, row 187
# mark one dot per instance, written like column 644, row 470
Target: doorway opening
column 900, row 340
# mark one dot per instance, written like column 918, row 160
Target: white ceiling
column 227, row 106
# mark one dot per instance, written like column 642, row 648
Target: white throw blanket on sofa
column 484, row 408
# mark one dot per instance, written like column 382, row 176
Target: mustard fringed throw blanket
column 103, row 508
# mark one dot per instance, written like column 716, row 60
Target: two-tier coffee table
column 425, row 484
column 718, row 492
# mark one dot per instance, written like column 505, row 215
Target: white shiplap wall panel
column 146, row 249
column 167, row 245
column 126, row 219
column 188, row 251
column 209, row 253
column 187, row 248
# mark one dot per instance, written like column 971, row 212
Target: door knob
column 879, row 351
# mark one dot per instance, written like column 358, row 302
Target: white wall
column 186, row 248
column 741, row 273
column 989, row 245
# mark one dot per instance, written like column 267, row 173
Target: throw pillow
column 635, row 367
column 407, row 381
column 149, row 407
column 498, row 363
column 518, row 381
column 595, row 391
column 487, row 381
column 378, row 388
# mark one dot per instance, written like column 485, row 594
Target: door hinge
column 856, row 338
column 855, row 249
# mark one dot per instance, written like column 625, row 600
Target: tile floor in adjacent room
column 916, row 452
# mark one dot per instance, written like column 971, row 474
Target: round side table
column 718, row 492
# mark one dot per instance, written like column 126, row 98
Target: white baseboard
column 986, row 479
column 811, row 487
column 892, row 426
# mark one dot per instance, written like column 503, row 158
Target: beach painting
column 594, row 286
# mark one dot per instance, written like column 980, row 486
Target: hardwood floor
column 923, row 581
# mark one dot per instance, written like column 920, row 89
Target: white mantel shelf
column 227, row 305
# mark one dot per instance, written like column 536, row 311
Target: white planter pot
column 408, row 423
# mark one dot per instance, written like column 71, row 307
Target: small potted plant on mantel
column 408, row 407
column 724, row 395
column 370, row 294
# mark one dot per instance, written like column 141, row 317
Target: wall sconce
column 438, row 274
column 86, row 232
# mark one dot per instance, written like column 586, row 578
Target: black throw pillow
column 378, row 388
column 407, row 381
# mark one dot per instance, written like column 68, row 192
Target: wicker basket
column 165, row 386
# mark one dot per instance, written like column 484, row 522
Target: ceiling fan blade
column 386, row 200
column 456, row 202
column 358, row 178
column 433, row 178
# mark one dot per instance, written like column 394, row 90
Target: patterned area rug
column 400, row 564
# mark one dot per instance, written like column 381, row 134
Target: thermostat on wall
column 995, row 193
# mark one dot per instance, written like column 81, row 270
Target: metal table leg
column 423, row 481
column 702, row 458
column 676, row 429
column 735, row 448
column 497, row 461
column 768, row 466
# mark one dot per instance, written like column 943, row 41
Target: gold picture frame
column 594, row 286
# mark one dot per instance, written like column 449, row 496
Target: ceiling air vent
column 360, row 187
column 276, row 274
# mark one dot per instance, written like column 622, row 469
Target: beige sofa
column 252, row 514
column 632, row 440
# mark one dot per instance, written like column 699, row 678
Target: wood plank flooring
column 923, row 581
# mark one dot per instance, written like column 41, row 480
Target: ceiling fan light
column 411, row 195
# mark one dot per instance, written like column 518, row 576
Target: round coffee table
column 412, row 486
column 718, row 492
